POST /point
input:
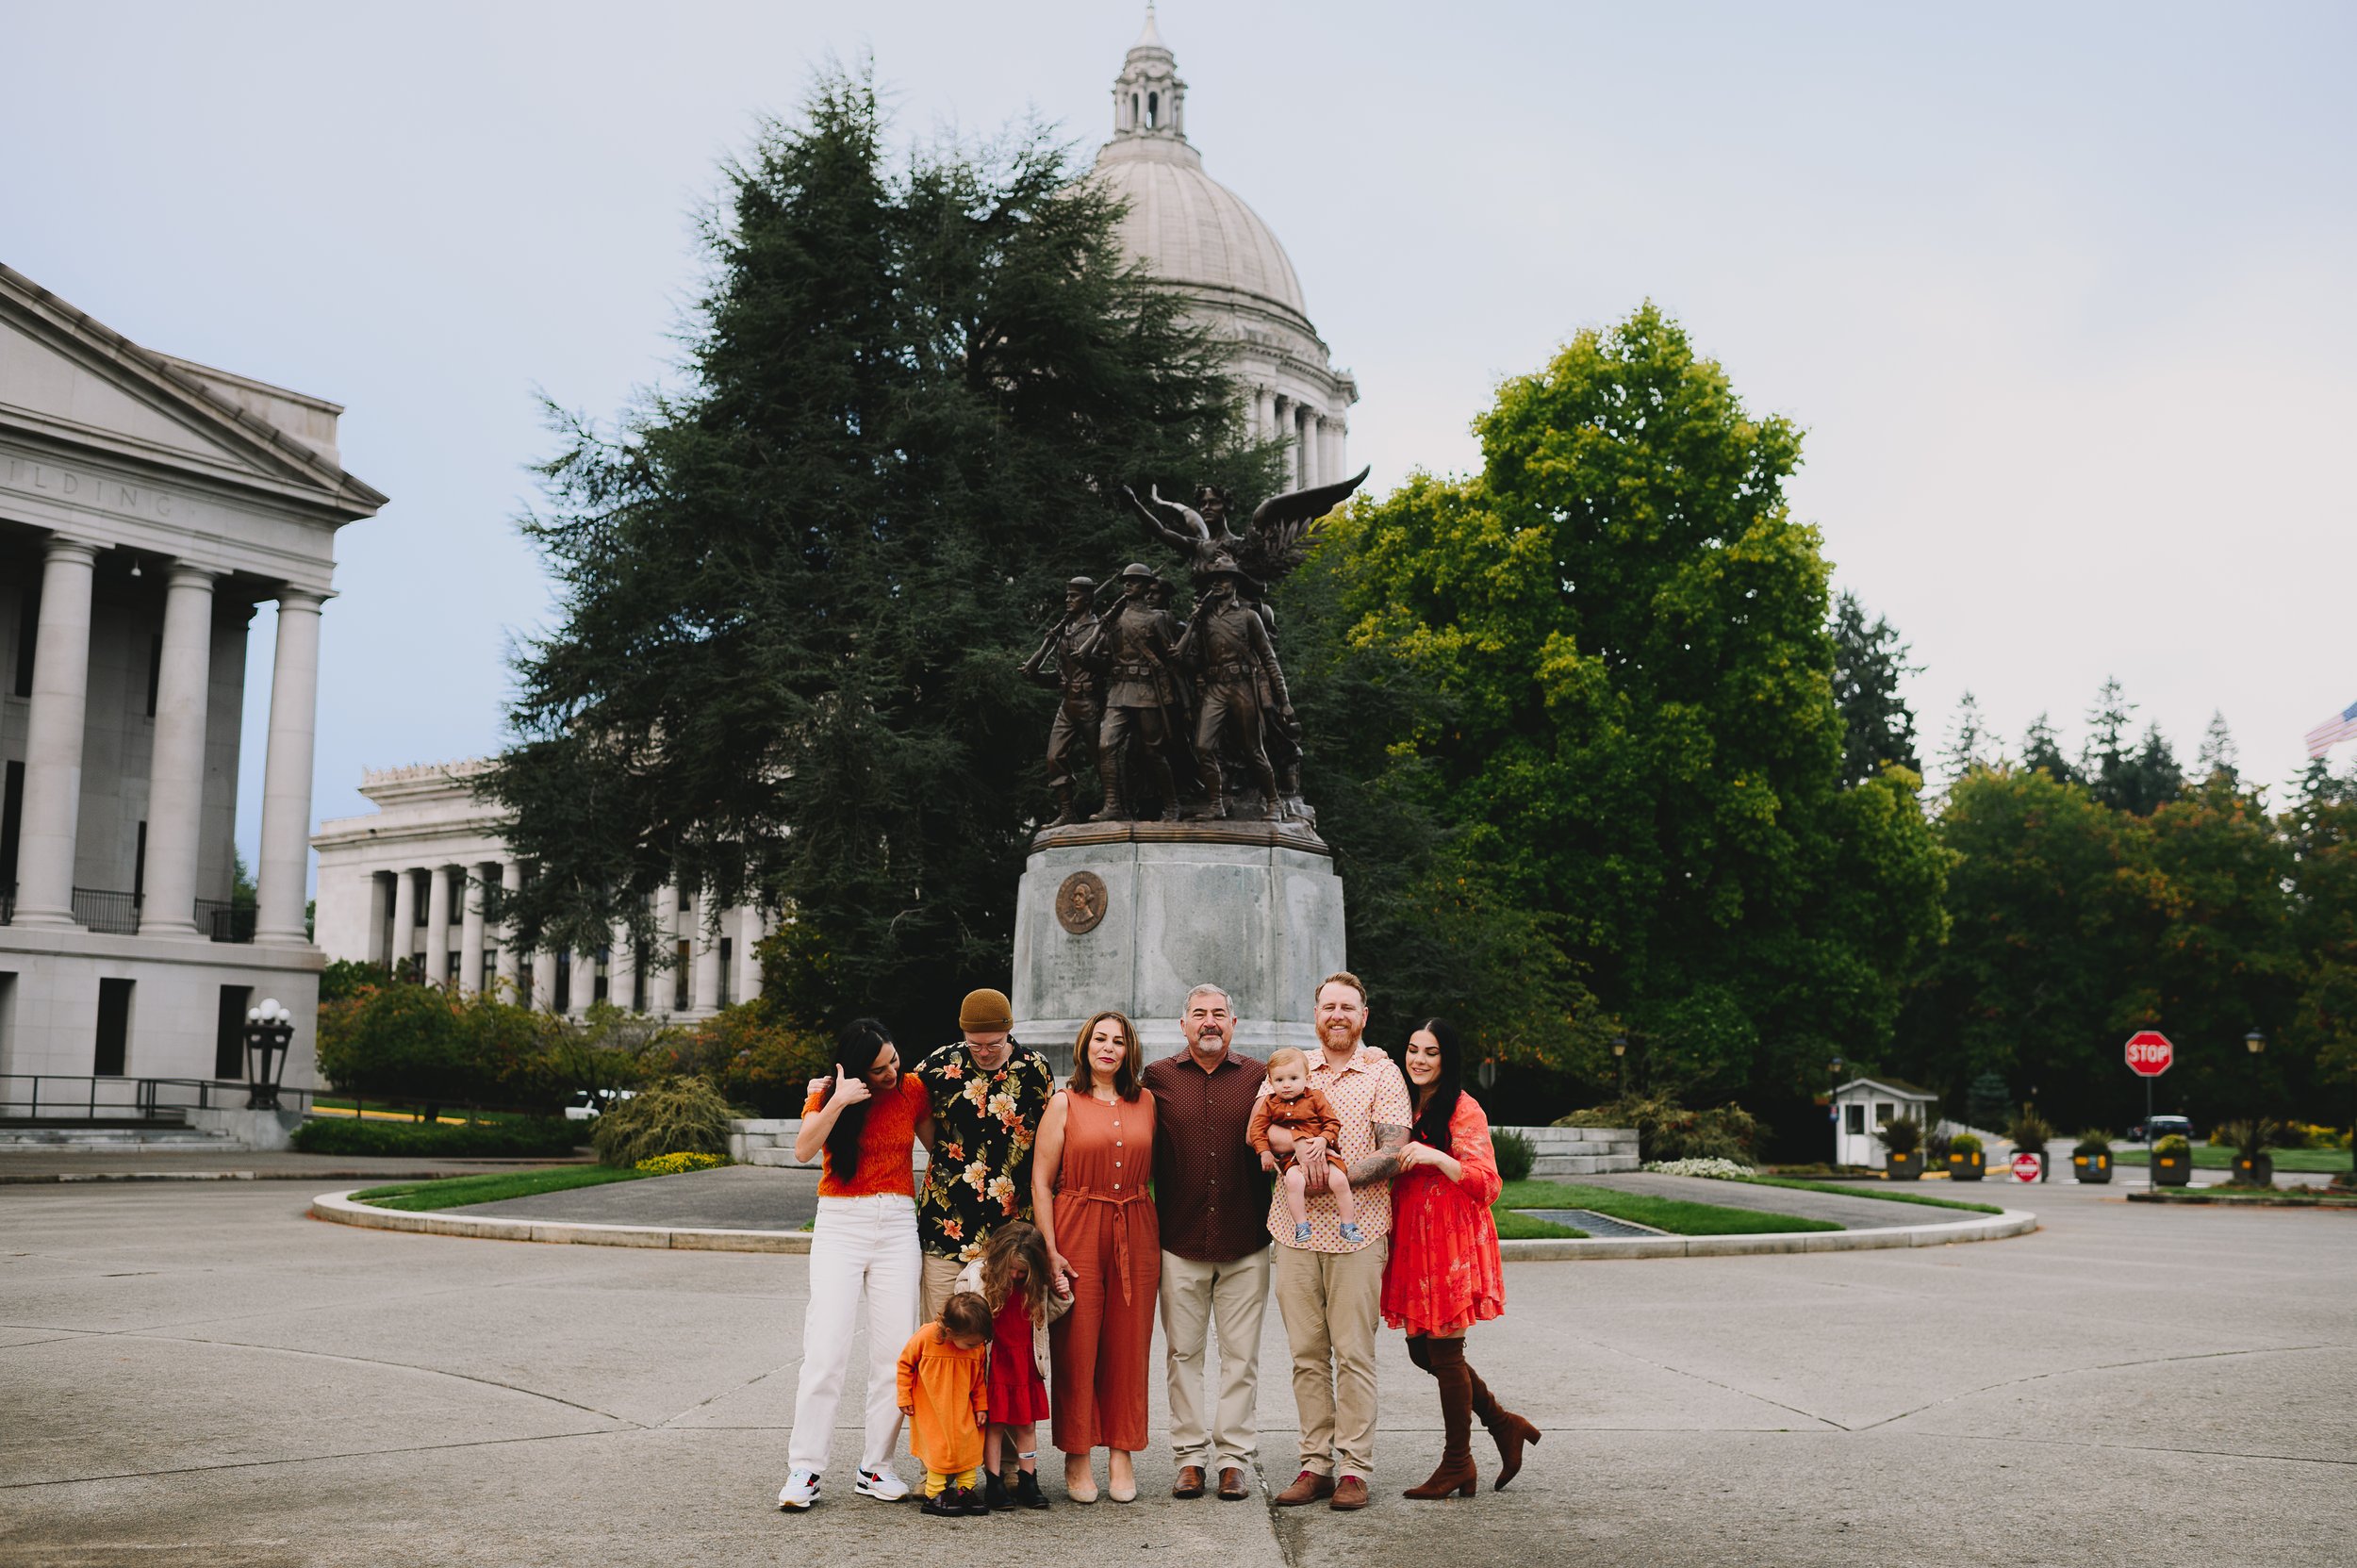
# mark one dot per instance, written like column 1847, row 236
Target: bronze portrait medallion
column 1080, row 903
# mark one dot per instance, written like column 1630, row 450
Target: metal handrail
column 225, row 922
column 106, row 910
column 63, row 1096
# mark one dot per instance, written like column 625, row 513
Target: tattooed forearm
column 1384, row 1163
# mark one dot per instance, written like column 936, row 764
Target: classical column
column 704, row 996
column 405, row 918
column 53, row 736
column 585, row 986
column 294, row 690
column 745, row 983
column 622, row 967
column 437, row 926
column 510, row 971
column 471, row 931
column 1305, row 445
column 175, row 774
column 1261, row 418
column 544, row 980
column 663, row 976
column 1337, row 453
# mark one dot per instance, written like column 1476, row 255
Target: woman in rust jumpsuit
column 1089, row 1173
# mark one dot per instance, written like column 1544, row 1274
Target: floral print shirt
column 984, row 1120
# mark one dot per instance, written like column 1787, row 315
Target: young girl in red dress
column 1444, row 1274
column 1025, row 1296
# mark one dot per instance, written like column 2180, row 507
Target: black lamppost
column 268, row 1031
column 2256, row 1044
column 1833, row 1104
column 1620, row 1057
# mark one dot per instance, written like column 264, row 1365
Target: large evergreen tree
column 1869, row 662
column 795, row 592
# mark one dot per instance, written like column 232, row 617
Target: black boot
column 1027, row 1492
column 994, row 1493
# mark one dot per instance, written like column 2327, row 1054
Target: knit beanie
column 985, row 1012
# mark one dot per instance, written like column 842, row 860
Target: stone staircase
column 101, row 1137
column 1562, row 1150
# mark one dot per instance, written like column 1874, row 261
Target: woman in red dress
column 1443, row 1276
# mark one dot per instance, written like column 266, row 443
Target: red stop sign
column 2150, row 1053
column 2026, row 1166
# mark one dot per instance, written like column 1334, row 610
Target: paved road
column 198, row 1373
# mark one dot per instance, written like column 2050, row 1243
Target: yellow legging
column 938, row 1482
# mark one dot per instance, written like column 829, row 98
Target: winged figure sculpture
column 1275, row 541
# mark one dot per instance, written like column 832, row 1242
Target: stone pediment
column 70, row 382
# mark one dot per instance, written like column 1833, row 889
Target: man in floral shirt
column 988, row 1093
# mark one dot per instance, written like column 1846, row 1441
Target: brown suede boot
column 1446, row 1359
column 1509, row 1431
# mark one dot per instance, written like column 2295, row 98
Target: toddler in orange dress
column 1303, row 1111
column 945, row 1392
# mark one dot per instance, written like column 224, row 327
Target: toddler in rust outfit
column 1303, row 1111
column 945, row 1392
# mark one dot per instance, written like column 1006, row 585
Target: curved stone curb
column 340, row 1209
column 1981, row 1227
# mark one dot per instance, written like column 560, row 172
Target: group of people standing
column 1054, row 1221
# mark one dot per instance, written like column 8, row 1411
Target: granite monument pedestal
column 1132, row 915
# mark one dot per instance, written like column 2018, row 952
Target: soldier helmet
column 1082, row 585
column 1137, row 569
column 1225, row 565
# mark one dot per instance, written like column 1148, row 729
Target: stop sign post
column 2150, row 1054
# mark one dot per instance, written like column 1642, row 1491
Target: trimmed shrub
column 2093, row 1141
column 2174, row 1144
column 752, row 1053
column 679, row 1163
column 683, row 1114
column 551, row 1136
column 1515, row 1154
column 1668, row 1130
column 1964, row 1143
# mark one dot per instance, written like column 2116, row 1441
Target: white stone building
column 419, row 880
column 146, row 505
column 1201, row 238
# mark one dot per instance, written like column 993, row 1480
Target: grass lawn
column 1874, row 1189
column 2219, row 1157
column 1676, row 1216
column 1522, row 1227
column 490, row 1187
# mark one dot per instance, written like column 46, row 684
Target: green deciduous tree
column 794, row 593
column 1636, row 730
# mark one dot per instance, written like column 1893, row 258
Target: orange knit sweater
column 946, row 1389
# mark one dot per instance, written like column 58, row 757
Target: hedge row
column 544, row 1136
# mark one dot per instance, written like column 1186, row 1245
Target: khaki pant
column 1195, row 1296
column 934, row 1290
column 1331, row 1303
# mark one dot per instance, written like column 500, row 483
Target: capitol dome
column 1201, row 238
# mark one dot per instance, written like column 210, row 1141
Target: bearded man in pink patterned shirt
column 1329, row 1292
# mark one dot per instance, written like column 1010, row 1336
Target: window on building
column 1853, row 1118
column 114, row 1028
column 679, row 979
column 727, row 952
column 1885, row 1112
column 154, row 671
column 562, row 1000
column 1153, row 110
column 12, row 823
column 27, row 634
column 139, row 869
column 229, row 1033
column 602, row 989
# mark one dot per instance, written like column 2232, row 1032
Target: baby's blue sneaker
column 1351, row 1232
column 1301, row 1234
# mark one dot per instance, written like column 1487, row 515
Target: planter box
column 2094, row 1168
column 2255, row 1173
column 2171, row 1170
column 1905, row 1168
column 1967, row 1167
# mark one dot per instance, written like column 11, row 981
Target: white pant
column 862, row 1272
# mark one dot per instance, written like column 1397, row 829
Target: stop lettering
column 2150, row 1053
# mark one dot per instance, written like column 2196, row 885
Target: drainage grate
column 1592, row 1222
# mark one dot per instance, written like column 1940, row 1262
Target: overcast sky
column 2061, row 295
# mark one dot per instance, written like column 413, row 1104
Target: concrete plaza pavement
column 198, row 1372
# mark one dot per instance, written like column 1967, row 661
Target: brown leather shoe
column 1307, row 1488
column 1232, row 1486
column 1349, row 1492
column 1190, row 1481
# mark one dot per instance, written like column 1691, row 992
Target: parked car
column 589, row 1103
column 2162, row 1126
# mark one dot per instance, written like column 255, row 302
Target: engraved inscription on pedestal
column 1080, row 903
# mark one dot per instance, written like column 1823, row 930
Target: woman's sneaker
column 883, row 1484
column 800, row 1491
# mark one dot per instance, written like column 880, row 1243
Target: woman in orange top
column 1088, row 1174
column 863, row 1255
column 1442, row 1276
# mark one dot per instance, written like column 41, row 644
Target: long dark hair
column 855, row 1052
column 1431, row 1127
column 1128, row 1077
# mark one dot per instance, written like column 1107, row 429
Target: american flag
column 2340, row 727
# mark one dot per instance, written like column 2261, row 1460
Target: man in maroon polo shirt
column 1211, row 1200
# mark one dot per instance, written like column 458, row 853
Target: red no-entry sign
column 2026, row 1166
column 2149, row 1052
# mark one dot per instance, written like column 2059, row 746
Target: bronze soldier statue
column 1135, row 645
column 1080, row 709
column 1242, row 687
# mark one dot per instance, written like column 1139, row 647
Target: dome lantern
column 1150, row 100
